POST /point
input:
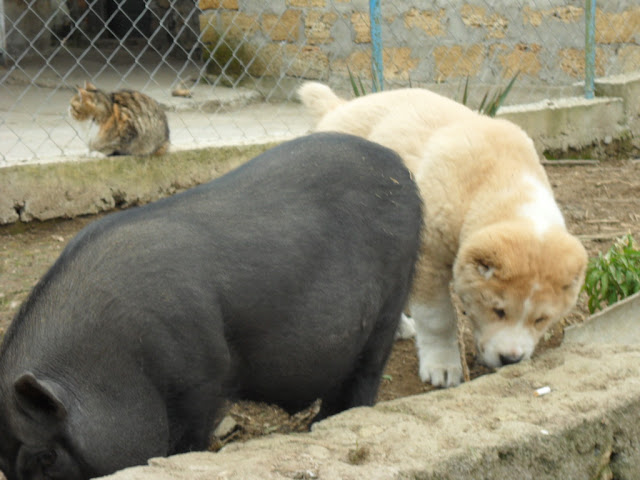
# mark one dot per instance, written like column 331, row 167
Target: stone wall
column 449, row 39
column 38, row 26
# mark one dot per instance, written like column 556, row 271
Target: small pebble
column 542, row 391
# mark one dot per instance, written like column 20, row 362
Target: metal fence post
column 3, row 45
column 377, row 72
column 590, row 49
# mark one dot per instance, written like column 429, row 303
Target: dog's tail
column 318, row 98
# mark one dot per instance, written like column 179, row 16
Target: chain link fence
column 227, row 70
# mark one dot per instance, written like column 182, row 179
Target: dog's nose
column 510, row 359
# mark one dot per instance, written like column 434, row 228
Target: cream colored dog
column 492, row 225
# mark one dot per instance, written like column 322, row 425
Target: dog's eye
column 499, row 312
column 540, row 320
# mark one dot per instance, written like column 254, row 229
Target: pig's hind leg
column 361, row 387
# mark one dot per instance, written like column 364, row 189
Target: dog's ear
column 576, row 266
column 484, row 268
column 566, row 261
column 485, row 258
column 480, row 261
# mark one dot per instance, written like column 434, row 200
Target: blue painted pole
column 590, row 49
column 377, row 72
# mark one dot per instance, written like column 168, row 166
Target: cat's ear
column 89, row 86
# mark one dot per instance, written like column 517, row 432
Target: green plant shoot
column 614, row 275
column 489, row 105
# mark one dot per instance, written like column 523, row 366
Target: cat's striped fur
column 129, row 122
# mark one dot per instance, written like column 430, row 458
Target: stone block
column 358, row 62
column 307, row 3
column 477, row 17
column 458, row 61
column 564, row 14
column 283, row 28
column 215, row 4
column 309, row 62
column 572, row 62
column 208, row 27
column 614, row 27
column 318, row 25
column 398, row 63
column 522, row 58
column 361, row 27
column 431, row 22
column 237, row 26
column 268, row 60
column 628, row 58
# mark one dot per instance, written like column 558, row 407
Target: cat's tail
column 319, row 99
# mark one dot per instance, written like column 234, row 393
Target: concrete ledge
column 619, row 323
column 626, row 87
column 69, row 189
column 493, row 427
column 569, row 122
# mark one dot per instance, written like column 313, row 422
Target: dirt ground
column 601, row 202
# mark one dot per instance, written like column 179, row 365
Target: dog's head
column 514, row 284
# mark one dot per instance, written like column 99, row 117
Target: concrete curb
column 69, row 189
column 619, row 323
column 626, row 87
column 569, row 122
column 493, row 427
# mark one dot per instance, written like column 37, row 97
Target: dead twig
column 460, row 326
column 603, row 236
column 566, row 162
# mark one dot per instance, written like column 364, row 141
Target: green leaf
column 612, row 298
column 593, row 304
column 625, row 290
column 465, row 93
column 613, row 275
column 604, row 285
column 352, row 79
column 592, row 278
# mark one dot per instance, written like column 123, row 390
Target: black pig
column 282, row 281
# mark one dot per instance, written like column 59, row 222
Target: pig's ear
column 37, row 397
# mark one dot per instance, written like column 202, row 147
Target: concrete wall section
column 626, row 87
column 569, row 122
column 493, row 427
column 70, row 189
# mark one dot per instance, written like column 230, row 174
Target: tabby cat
column 129, row 122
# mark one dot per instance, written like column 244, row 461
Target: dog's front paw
column 441, row 366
